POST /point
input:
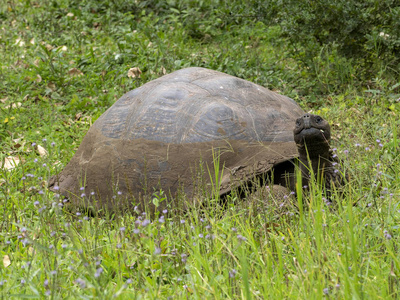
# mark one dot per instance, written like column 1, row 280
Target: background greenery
column 64, row 62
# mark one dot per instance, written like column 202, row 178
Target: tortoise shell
column 167, row 135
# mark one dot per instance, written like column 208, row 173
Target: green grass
column 345, row 250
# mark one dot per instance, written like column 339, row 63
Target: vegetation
column 64, row 62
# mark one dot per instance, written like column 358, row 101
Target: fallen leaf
column 134, row 72
column 70, row 14
column 51, row 86
column 32, row 41
column 3, row 100
column 74, row 72
column 38, row 78
column 6, row 261
column 41, row 150
column 14, row 105
column 19, row 42
column 49, row 47
column 10, row 163
column 163, row 70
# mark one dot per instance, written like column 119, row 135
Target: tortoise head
column 311, row 130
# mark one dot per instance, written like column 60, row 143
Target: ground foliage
column 63, row 63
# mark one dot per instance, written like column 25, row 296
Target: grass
column 63, row 63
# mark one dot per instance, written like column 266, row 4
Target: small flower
column 339, row 254
column 232, row 273
column 98, row 272
column 234, row 229
column 241, row 238
column 53, row 272
column 92, row 193
column 145, row 223
column 208, row 227
column 157, row 250
column 283, row 238
column 337, row 285
column 164, row 211
column 64, row 246
column 346, row 151
column 378, row 140
column 202, row 220
column 326, row 291
column 119, row 193
column 136, row 231
column 129, row 281
column 46, row 282
column 40, row 192
column 182, row 221
column 81, row 283
column 53, row 144
column 358, row 145
column 23, row 281
column 387, row 235
column 83, row 195
column 122, row 229
column 201, row 235
column 36, row 203
column 183, row 257
column 367, row 148
column 161, row 219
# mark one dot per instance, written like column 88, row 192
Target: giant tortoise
column 172, row 132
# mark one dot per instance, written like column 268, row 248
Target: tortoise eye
column 318, row 119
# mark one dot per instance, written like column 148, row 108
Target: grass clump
column 65, row 62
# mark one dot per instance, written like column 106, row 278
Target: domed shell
column 166, row 135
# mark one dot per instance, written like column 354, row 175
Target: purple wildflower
column 241, row 238
column 232, row 273
column 81, row 283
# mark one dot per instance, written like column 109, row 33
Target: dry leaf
column 49, row 47
column 70, row 14
column 14, row 105
column 19, row 42
column 134, row 72
column 32, row 41
column 41, row 150
column 6, row 261
column 3, row 100
column 51, row 86
column 74, row 72
column 163, row 71
column 10, row 163
column 38, row 78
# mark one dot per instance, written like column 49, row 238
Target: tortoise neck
column 316, row 156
